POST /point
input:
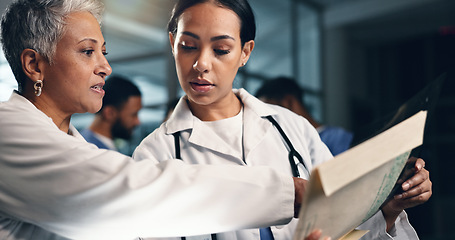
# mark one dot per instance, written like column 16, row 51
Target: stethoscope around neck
column 292, row 156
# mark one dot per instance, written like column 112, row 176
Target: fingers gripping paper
column 347, row 190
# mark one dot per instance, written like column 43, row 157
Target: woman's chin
column 94, row 109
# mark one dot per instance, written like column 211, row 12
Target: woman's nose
column 104, row 68
column 202, row 63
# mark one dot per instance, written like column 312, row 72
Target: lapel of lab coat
column 203, row 137
column 255, row 127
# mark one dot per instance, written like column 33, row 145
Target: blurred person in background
column 118, row 116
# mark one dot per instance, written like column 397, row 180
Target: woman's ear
column 171, row 41
column 31, row 64
column 246, row 51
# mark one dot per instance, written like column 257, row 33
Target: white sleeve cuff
column 402, row 229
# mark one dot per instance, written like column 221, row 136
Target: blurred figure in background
column 285, row 92
column 118, row 116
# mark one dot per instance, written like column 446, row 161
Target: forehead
column 209, row 18
column 82, row 25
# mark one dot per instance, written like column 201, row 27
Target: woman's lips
column 98, row 88
column 201, row 85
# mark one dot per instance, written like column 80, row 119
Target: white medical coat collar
column 255, row 127
column 182, row 118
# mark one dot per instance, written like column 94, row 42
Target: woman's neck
column 226, row 108
column 60, row 119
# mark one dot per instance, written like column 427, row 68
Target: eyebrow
column 91, row 40
column 211, row 39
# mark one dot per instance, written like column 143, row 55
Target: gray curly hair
column 38, row 25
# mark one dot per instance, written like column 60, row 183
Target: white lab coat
column 263, row 146
column 54, row 185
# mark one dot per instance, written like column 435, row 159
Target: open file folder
column 347, row 190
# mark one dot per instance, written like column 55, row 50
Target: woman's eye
column 221, row 52
column 88, row 52
column 186, row 47
column 105, row 53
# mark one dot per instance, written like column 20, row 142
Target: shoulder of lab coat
column 300, row 132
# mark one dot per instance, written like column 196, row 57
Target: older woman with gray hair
column 55, row 185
